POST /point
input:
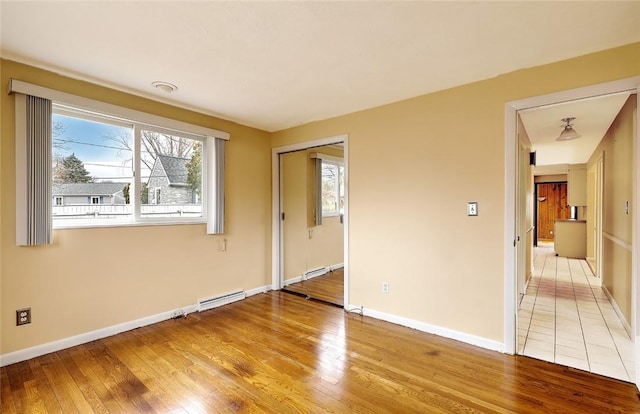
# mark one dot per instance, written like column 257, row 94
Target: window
column 94, row 154
column 332, row 188
column 111, row 152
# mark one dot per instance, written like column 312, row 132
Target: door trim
column 276, row 202
column 510, row 143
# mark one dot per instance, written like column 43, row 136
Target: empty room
column 319, row 207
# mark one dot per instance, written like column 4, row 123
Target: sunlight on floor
column 566, row 318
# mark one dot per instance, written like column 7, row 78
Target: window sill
column 136, row 224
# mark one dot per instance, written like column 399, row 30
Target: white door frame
column 276, row 202
column 511, row 146
column 598, row 237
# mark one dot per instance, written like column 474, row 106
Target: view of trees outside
column 90, row 152
column 79, row 141
column 70, row 170
column 332, row 188
column 152, row 145
column 194, row 170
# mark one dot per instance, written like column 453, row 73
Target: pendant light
column 568, row 132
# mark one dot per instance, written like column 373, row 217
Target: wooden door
column 552, row 205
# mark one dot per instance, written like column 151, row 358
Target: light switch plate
column 472, row 208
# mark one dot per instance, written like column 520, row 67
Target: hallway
column 565, row 317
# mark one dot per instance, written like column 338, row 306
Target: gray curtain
column 318, row 192
column 37, row 173
column 216, row 222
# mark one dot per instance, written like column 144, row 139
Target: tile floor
column 566, row 318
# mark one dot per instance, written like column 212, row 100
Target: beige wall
column 326, row 243
column 617, row 147
column 413, row 166
column 307, row 246
column 94, row 278
column 554, row 178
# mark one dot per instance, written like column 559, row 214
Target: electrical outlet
column 385, row 287
column 23, row 316
column 179, row 314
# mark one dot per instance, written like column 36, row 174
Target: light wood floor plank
column 6, row 398
column 280, row 353
column 328, row 287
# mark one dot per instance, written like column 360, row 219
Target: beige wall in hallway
column 617, row 147
column 527, row 183
column 414, row 165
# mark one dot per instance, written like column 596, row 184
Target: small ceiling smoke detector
column 568, row 132
column 165, row 87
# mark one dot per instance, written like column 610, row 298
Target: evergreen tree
column 144, row 194
column 194, row 170
column 71, row 169
column 125, row 192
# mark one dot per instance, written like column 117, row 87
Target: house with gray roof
column 168, row 181
column 68, row 194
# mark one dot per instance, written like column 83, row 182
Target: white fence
column 122, row 212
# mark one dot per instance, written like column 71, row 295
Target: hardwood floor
column 280, row 353
column 327, row 288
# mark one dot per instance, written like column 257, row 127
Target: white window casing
column 212, row 141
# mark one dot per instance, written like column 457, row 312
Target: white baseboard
column 292, row 281
column 258, row 290
column 433, row 329
column 38, row 350
column 623, row 320
column 309, row 277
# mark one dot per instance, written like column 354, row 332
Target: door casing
column 277, row 248
column 511, row 204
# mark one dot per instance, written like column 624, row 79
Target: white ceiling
column 274, row 65
column 593, row 118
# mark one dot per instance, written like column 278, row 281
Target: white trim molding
column 432, row 329
column 276, row 199
column 38, row 350
column 510, row 139
column 617, row 241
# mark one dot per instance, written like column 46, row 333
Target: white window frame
column 95, row 198
column 56, row 199
column 212, row 208
column 136, row 183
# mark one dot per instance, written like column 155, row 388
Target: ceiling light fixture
column 165, row 87
column 568, row 132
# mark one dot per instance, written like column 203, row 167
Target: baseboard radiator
column 315, row 273
column 206, row 304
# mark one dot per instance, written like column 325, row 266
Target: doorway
column 312, row 215
column 551, row 204
column 291, row 269
column 512, row 237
